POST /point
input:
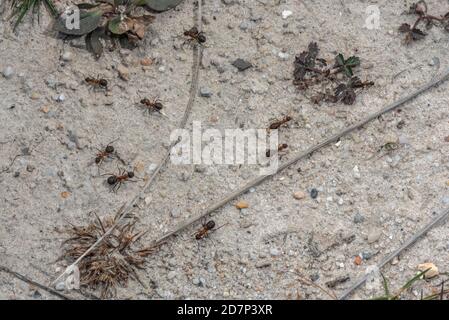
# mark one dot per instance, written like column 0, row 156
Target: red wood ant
column 152, row 105
column 108, row 151
column 116, row 181
column 207, row 228
column 97, row 82
column 195, row 35
column 277, row 124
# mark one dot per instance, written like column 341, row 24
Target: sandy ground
column 261, row 250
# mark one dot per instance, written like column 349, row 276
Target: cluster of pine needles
column 114, row 261
column 21, row 7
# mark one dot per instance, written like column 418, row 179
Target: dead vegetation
column 412, row 32
column 114, row 261
column 337, row 82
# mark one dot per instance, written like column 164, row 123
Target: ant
column 195, row 35
column 206, row 229
column 115, row 181
column 97, row 82
column 152, row 105
column 106, row 153
column 281, row 147
column 278, row 123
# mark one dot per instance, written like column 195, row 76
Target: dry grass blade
column 113, row 262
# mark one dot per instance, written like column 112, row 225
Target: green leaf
column 93, row 42
column 89, row 21
column 87, row 6
column 348, row 64
column 161, row 5
column 118, row 25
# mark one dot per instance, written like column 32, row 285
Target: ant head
column 112, row 180
column 144, row 101
column 158, row 105
column 109, row 149
column 97, row 160
column 210, row 224
column 103, row 83
column 130, row 174
column 201, row 38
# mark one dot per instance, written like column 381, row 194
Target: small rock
column 395, row 261
column 374, row 235
column 171, row 275
column 263, row 264
column 205, row 92
column 356, row 172
column 67, row 56
column 358, row 260
column 34, row 95
column 433, row 270
column 16, row 174
column 146, row 62
column 446, row 139
column 60, row 286
column 299, row 195
column 242, row 205
column 314, row 193
column 314, row 277
column 162, row 69
column 60, row 98
column 241, row 64
column 123, row 72
column 30, row 168
column 8, row 72
column 245, row 25
column 283, row 56
column 275, row 252
column 367, row 255
column 286, row 14
column 36, row 295
column 175, row 213
column 358, row 218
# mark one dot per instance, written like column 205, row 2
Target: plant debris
column 21, row 7
column 412, row 32
column 113, row 261
column 111, row 20
column 309, row 71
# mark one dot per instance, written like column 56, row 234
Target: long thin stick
column 126, row 209
column 395, row 253
column 34, row 283
column 302, row 155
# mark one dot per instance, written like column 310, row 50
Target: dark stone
column 241, row 64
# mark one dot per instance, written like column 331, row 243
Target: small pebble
column 175, row 213
column 146, row 62
column 16, row 174
column 241, row 64
column 433, row 270
column 367, row 255
column 358, row 218
column 171, row 275
column 67, row 56
column 60, row 98
column 374, row 235
column 286, row 14
column 283, row 56
column 205, row 92
column 299, row 195
column 8, row 72
column 60, row 286
column 275, row 252
column 162, row 69
column 123, row 72
column 242, row 205
column 314, row 193
column 30, row 168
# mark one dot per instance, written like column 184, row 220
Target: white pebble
column 8, row 72
column 286, row 14
column 67, row 56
